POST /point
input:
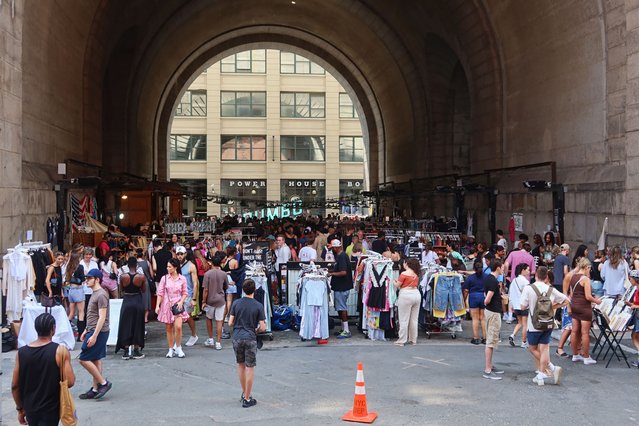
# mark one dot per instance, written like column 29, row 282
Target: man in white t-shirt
column 538, row 340
column 501, row 241
column 308, row 253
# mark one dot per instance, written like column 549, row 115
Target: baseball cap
column 336, row 243
column 270, row 237
column 95, row 273
column 564, row 247
column 180, row 249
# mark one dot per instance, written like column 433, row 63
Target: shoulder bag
column 68, row 415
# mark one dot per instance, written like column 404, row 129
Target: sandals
column 561, row 355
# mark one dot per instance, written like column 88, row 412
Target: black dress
column 131, row 328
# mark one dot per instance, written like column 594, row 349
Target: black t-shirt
column 248, row 313
column 162, row 258
column 342, row 264
column 491, row 284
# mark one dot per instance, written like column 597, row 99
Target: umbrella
column 601, row 244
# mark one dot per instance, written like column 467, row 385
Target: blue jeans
column 448, row 290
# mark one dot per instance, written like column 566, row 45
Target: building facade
column 264, row 127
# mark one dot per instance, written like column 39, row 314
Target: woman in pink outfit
column 172, row 291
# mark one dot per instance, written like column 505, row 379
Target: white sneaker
column 556, row 372
column 589, row 361
column 174, row 346
column 524, row 345
column 576, row 358
column 192, row 341
column 179, row 352
column 540, row 379
column 209, row 342
column 218, row 346
column 170, row 353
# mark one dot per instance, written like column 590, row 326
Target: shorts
column 214, row 313
column 520, row 313
column 636, row 325
column 245, row 352
column 232, row 289
column 97, row 351
column 476, row 300
column 188, row 307
column 539, row 337
column 493, row 327
column 76, row 295
column 341, row 297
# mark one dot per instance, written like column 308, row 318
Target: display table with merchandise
column 63, row 331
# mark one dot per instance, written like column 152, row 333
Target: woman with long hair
column 596, row 282
column 582, row 251
column 614, row 272
column 634, row 258
column 581, row 300
column 172, row 292
column 73, row 278
column 53, row 281
column 408, row 302
column 522, row 279
column 550, row 248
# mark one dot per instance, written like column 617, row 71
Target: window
column 187, row 147
column 351, row 149
column 250, row 61
column 243, row 104
column 195, row 190
column 302, row 148
column 290, row 63
column 243, row 148
column 302, row 105
column 310, row 192
column 346, row 108
column 192, row 104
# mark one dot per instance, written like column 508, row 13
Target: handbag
column 68, row 415
column 626, row 282
column 47, row 302
column 113, row 276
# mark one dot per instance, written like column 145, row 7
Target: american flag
column 78, row 209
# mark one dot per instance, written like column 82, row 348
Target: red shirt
column 406, row 280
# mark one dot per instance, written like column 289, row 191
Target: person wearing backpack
column 541, row 299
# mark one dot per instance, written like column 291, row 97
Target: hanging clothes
column 378, row 297
column 18, row 278
column 262, row 295
column 314, row 291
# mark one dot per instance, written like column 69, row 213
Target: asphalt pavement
column 436, row 382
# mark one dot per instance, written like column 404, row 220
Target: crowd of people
column 539, row 286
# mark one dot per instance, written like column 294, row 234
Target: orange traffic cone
column 360, row 413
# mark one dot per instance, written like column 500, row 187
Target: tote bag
column 67, row 407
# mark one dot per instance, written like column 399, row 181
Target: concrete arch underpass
column 471, row 97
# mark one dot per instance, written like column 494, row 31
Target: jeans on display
column 448, row 291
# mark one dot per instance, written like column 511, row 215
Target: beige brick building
column 262, row 126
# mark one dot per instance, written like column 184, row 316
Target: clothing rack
column 378, row 296
column 427, row 319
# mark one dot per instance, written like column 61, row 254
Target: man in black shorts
column 247, row 319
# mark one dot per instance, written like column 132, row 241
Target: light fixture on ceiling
column 124, row 196
column 253, row 192
column 121, row 216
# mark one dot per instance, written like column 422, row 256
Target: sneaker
column 137, row 354
column 126, row 355
column 576, row 358
column 511, row 340
column 589, row 361
column 337, row 333
column 491, row 376
column 246, row 403
column 344, row 335
column 475, row 341
column 179, row 352
column 524, row 345
column 635, row 364
column 90, row 394
column 540, row 379
column 556, row 373
column 483, row 341
column 103, row 389
column 226, row 335
column 192, row 341
column 170, row 353
column 209, row 342
column 218, row 346
column 497, row 370
column 242, row 397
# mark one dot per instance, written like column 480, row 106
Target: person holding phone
column 171, row 294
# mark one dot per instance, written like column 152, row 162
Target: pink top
column 172, row 291
column 520, row 256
